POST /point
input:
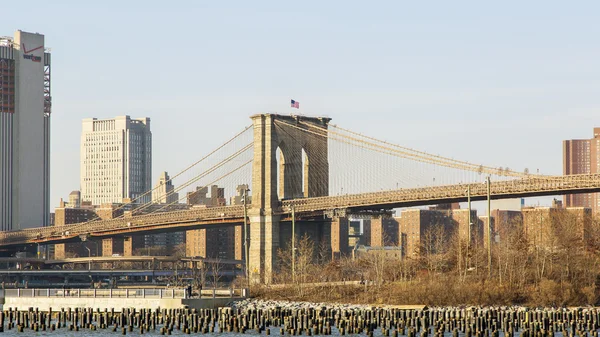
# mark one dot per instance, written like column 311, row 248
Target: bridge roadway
column 233, row 215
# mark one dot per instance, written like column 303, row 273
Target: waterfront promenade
column 117, row 299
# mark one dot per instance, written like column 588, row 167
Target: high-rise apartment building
column 116, row 160
column 164, row 191
column 473, row 231
column 421, row 229
column 506, row 223
column 582, row 156
column 381, row 231
column 551, row 226
column 25, row 105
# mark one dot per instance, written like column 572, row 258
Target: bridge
column 293, row 164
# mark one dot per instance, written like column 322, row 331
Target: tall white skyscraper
column 25, row 105
column 116, row 160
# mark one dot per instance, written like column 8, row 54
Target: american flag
column 295, row 104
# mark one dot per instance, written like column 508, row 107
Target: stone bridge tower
column 301, row 174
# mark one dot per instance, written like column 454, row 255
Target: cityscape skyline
column 426, row 81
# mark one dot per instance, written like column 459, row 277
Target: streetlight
column 469, row 222
column 89, row 257
column 489, row 229
column 293, row 242
column 246, row 248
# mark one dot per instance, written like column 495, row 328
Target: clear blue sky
column 500, row 84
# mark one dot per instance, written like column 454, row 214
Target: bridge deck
column 231, row 215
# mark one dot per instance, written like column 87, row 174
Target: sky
column 501, row 84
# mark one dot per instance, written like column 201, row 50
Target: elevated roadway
column 305, row 207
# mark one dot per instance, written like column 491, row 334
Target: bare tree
column 179, row 250
column 215, row 269
column 376, row 262
column 433, row 248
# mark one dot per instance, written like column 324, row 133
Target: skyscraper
column 25, row 105
column 582, row 156
column 116, row 160
column 164, row 191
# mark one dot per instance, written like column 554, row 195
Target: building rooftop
column 6, row 41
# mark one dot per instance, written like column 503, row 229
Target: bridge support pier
column 264, row 242
column 131, row 243
column 339, row 237
column 112, row 246
column 238, row 249
column 211, row 242
column 381, row 232
column 60, row 251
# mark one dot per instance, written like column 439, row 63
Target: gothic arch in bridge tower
column 293, row 177
column 294, row 172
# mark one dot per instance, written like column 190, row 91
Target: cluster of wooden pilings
column 387, row 322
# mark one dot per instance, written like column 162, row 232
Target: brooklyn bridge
column 311, row 170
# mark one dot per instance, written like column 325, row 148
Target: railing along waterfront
column 98, row 293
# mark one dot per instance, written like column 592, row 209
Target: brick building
column 582, row 156
column 505, row 222
column 65, row 216
column 549, row 227
column 418, row 227
column 381, row 232
column 223, row 242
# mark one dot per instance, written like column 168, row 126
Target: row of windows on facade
column 111, row 158
column 135, row 185
column 105, row 149
column 103, row 173
column 96, row 141
column 132, row 183
column 104, row 155
column 109, row 184
column 133, row 169
column 104, row 125
column 108, row 194
column 101, row 166
column 116, row 170
column 97, row 145
column 113, row 177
